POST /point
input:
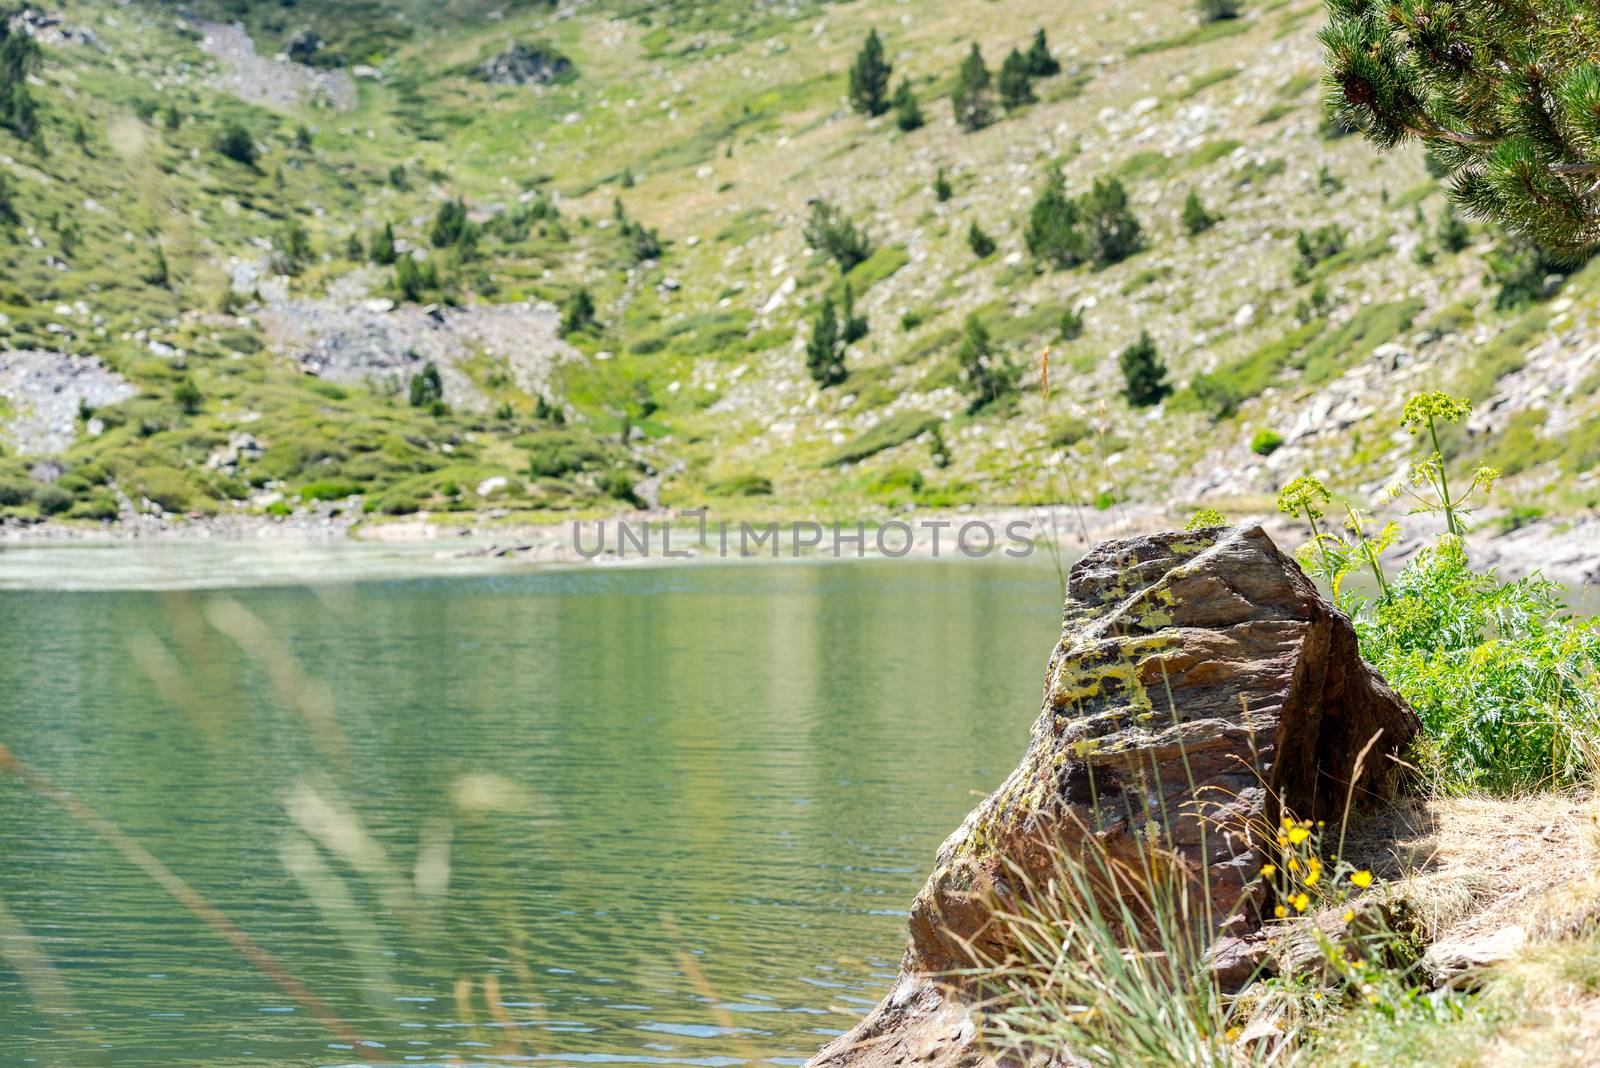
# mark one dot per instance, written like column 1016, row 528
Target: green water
column 654, row 816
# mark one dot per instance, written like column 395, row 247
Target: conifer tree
column 382, row 246
column 989, row 375
column 1015, row 83
column 970, row 99
column 8, row 206
column 907, row 112
column 828, row 230
column 1041, row 64
column 1113, row 234
column 427, row 388
column 824, row 348
column 19, row 57
column 1453, row 234
column 981, row 243
column 1196, row 219
column 1504, row 97
column 1052, row 234
column 578, row 312
column 942, row 189
column 1209, row 11
column 1143, row 373
column 852, row 327
column 869, row 78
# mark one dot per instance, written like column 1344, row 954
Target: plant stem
column 1444, row 482
column 1366, row 550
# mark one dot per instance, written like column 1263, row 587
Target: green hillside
column 600, row 248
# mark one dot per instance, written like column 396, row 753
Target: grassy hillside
column 667, row 173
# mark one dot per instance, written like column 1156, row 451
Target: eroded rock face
column 1200, row 675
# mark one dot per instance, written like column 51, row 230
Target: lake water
column 601, row 816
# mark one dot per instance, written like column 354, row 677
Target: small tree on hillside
column 381, row 250
column 1015, row 83
column 19, row 57
column 187, row 395
column 828, row 230
column 235, row 142
column 981, row 243
column 869, row 78
column 1453, row 234
column 450, row 224
column 1143, row 372
column 852, row 327
column 1041, row 64
column 1112, row 231
column 942, row 190
column 578, row 312
column 989, row 375
column 907, row 112
column 824, row 348
column 426, row 387
column 970, row 99
column 1052, row 234
column 8, row 206
column 1209, row 11
column 1196, row 219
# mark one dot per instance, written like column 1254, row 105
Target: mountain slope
column 714, row 126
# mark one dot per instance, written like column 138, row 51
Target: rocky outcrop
column 44, row 395
column 1200, row 682
column 522, row 64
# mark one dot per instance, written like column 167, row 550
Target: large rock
column 1200, row 674
column 522, row 64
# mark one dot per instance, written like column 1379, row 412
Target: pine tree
column 1453, row 234
column 824, row 348
column 382, row 246
column 1041, row 64
column 1143, row 373
column 427, row 388
column 869, row 78
column 1196, row 219
column 971, row 96
column 415, row 278
column 354, row 250
column 449, row 224
column 1071, row 325
column 981, row 243
column 852, row 327
column 236, row 143
column 578, row 312
column 1504, row 97
column 1052, row 234
column 942, row 190
column 9, row 215
column 187, row 395
column 1113, row 233
column 907, row 112
column 1015, row 83
column 1209, row 11
column 19, row 57
column 158, row 274
column 988, row 374
column 829, row 231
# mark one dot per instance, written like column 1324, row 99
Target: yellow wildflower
column 1362, row 878
column 1301, row 902
column 1298, row 835
column 1349, row 914
column 1269, row 870
column 1280, row 912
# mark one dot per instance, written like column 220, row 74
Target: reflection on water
column 617, row 817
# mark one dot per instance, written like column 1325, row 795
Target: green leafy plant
column 1427, row 482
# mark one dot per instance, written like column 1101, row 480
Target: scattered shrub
column 1266, row 442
